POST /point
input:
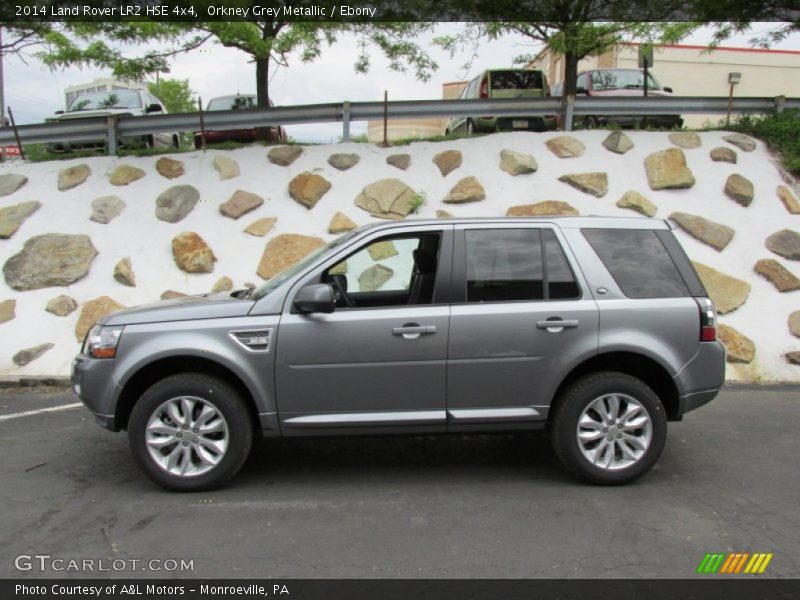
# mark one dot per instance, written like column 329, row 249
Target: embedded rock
column 794, row 323
column 688, row 140
column 240, row 203
column 387, row 199
column 548, row 208
column 565, row 146
column 443, row 214
column 468, row 189
column 12, row 217
column 741, row 141
column 401, row 161
column 517, row 163
column 723, row 154
column 636, row 201
column 72, row 177
column 728, row 293
column 307, row 188
column 341, row 223
column 714, row 234
column 739, row 348
column 261, row 227
column 223, row 284
column 10, row 183
column 125, row 174
column 343, row 161
column 169, row 167
column 789, row 200
column 51, row 259
column 785, row 243
column 7, row 310
column 284, row 155
column 283, row 251
column 226, row 167
column 781, row 277
column 667, row 170
column 171, row 295
column 448, row 161
column 338, row 269
column 192, row 254
column 382, row 250
column 595, row 184
column 123, row 272
column 173, row 204
column 28, row 355
column 105, row 208
column 617, row 142
column 61, row 305
column 740, row 189
column 373, row 278
column 793, row 358
column 92, row 311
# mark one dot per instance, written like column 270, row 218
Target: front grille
column 253, row 340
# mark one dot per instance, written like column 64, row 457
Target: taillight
column 484, row 89
column 708, row 320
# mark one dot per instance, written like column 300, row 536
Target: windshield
column 622, row 80
column 232, row 103
column 269, row 285
column 99, row 100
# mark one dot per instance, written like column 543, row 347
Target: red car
column 236, row 102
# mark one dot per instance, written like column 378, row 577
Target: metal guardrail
column 110, row 129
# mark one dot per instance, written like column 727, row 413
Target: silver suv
column 595, row 329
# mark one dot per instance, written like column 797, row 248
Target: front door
column 379, row 360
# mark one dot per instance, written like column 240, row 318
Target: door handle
column 556, row 325
column 412, row 331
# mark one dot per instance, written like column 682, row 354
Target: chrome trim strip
column 267, row 330
column 522, row 413
column 417, row 417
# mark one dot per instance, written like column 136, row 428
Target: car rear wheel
column 190, row 432
column 609, row 428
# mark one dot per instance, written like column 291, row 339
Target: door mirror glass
column 151, row 108
column 316, row 298
column 667, row 89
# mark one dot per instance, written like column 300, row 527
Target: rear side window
column 638, row 262
column 517, row 80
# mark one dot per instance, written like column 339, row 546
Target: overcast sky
column 34, row 92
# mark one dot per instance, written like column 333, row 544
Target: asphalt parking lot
column 458, row 506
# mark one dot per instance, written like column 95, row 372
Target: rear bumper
column 515, row 123
column 702, row 377
column 93, row 383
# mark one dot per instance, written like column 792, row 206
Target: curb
column 35, row 382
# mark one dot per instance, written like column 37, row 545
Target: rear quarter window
column 517, row 80
column 638, row 262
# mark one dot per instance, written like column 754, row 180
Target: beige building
column 102, row 84
column 694, row 71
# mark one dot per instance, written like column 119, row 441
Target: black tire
column 470, row 127
column 176, row 143
column 228, row 403
column 577, row 397
column 591, row 122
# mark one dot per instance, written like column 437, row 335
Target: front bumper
column 93, row 383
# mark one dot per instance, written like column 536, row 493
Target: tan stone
column 226, row 167
column 123, row 272
column 595, row 184
column 667, row 170
column 283, row 251
column 125, row 174
column 61, row 305
column 448, row 161
column 7, row 310
column 92, row 311
column 72, row 177
column 785, row 243
column 261, row 227
column 172, row 295
column 48, row 260
column 223, row 284
column 617, row 142
column 789, row 200
column 401, row 161
column 517, row 163
column 783, row 279
column 343, row 161
column 388, row 199
column 284, row 155
column 11, row 182
column 741, row 141
column 794, row 323
column 548, row 208
column 338, row 269
column 468, row 189
column 240, row 203
column 28, row 355
column 169, row 167
column 740, row 189
column 443, row 214
column 373, row 278
column 739, row 348
column 714, row 234
column 382, row 250
column 192, row 254
column 727, row 292
column 12, row 217
column 636, row 201
column 723, row 154
column 685, row 139
column 341, row 223
column 793, row 358
column 565, row 146
column 307, row 188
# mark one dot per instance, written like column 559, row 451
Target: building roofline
column 719, row 48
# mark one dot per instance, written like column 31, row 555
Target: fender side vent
column 252, row 340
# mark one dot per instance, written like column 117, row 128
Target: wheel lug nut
column 185, row 443
column 180, row 434
column 194, row 440
column 619, row 436
column 195, row 430
column 605, row 429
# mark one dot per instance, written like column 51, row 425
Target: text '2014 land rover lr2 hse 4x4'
column 596, row 329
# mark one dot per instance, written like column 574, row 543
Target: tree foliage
column 176, row 94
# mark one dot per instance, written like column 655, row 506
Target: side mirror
column 59, row 112
column 153, row 108
column 667, row 89
column 315, row 298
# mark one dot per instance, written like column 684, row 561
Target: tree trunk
column 570, row 77
column 262, row 93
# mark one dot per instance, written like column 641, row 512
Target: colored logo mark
column 735, row 563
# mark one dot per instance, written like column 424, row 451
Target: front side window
column 622, row 80
column 232, row 103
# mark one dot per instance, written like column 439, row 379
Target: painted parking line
column 41, row 410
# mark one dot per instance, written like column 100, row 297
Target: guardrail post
column 111, row 135
column 780, row 103
column 345, row 121
column 568, row 114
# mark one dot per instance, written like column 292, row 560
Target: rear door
column 521, row 317
column 517, row 83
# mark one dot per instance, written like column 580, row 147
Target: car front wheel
column 609, row 428
column 190, row 432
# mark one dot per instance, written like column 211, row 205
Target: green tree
column 176, row 94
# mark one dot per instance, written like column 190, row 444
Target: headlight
column 101, row 342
